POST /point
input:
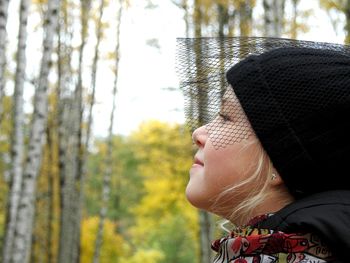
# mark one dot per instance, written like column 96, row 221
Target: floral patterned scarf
column 254, row 245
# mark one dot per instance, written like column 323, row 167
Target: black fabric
column 298, row 103
column 326, row 214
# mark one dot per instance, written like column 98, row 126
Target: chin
column 189, row 195
column 196, row 199
column 192, row 197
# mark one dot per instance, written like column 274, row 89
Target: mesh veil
column 202, row 64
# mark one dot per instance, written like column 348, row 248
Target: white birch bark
column 26, row 210
column 108, row 172
column 17, row 145
column 3, row 37
column 186, row 17
column 273, row 17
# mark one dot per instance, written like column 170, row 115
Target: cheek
column 223, row 167
column 207, row 182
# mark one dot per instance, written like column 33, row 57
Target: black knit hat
column 298, row 103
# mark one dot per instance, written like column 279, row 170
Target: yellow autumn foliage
column 163, row 216
column 113, row 246
column 144, row 256
column 333, row 4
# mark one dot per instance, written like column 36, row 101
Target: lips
column 198, row 161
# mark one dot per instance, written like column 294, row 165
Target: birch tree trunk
column 347, row 23
column 17, row 145
column 186, row 17
column 184, row 6
column 26, row 210
column 273, row 17
column 90, row 120
column 205, row 234
column 3, row 37
column 245, row 18
column 78, row 203
column 108, row 172
column 294, row 24
column 223, row 19
column 223, row 23
column 197, row 18
column 51, row 194
column 67, row 138
column 69, row 150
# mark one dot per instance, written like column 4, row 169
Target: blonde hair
column 257, row 194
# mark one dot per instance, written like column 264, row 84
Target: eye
column 224, row 117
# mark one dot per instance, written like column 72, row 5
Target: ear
column 275, row 179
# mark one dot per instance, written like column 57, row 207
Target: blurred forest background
column 67, row 195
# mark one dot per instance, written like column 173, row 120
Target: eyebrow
column 224, row 100
column 227, row 101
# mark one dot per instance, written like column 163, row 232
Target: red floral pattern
column 253, row 245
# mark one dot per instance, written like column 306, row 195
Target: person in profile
column 274, row 161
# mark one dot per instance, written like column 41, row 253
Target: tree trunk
column 26, row 210
column 223, row 23
column 51, row 194
column 82, row 152
column 273, row 17
column 65, row 105
column 3, row 37
column 223, row 19
column 69, row 152
column 18, row 134
column 245, row 18
column 201, row 97
column 108, row 172
column 186, row 17
column 206, row 235
column 197, row 19
column 68, row 140
column 347, row 23
column 294, row 23
column 68, row 166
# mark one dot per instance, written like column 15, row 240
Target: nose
column 199, row 136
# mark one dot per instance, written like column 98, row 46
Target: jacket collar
column 326, row 214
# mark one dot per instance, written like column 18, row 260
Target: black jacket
column 326, row 214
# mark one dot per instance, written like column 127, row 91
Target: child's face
column 218, row 168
